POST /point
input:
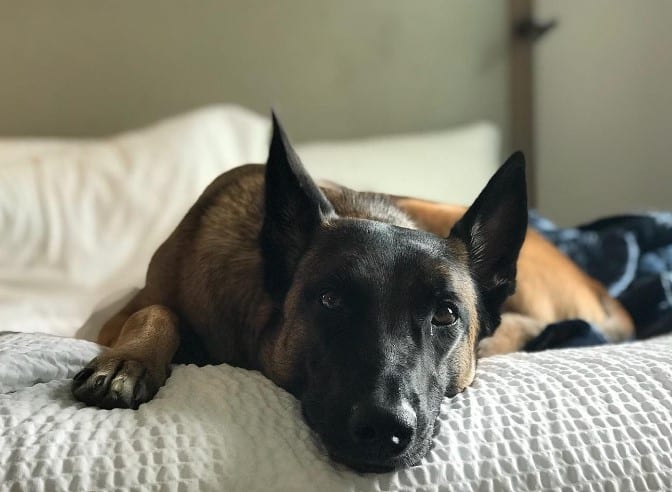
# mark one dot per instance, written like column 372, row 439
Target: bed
column 574, row 419
column 80, row 219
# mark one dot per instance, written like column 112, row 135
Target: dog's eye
column 445, row 315
column 330, row 300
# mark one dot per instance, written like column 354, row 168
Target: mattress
column 576, row 419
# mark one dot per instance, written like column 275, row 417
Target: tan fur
column 209, row 272
column 550, row 287
column 206, row 279
column 465, row 351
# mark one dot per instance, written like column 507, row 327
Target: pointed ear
column 294, row 208
column 493, row 230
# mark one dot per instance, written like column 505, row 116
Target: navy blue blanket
column 632, row 256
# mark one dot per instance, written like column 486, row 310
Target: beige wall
column 604, row 108
column 333, row 69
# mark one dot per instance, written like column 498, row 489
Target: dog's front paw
column 495, row 345
column 114, row 382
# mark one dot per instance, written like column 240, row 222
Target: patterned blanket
column 632, row 256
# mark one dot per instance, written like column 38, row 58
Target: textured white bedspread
column 586, row 419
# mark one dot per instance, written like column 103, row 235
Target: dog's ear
column 294, row 208
column 493, row 229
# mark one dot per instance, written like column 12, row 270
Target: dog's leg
column 511, row 335
column 137, row 365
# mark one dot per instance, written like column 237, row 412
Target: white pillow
column 80, row 219
column 79, row 210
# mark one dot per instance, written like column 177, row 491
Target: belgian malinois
column 368, row 308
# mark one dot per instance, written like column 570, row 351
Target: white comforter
column 586, row 419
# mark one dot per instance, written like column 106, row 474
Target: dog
column 368, row 308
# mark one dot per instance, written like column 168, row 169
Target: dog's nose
column 383, row 430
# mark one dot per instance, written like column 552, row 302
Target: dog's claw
column 82, row 375
column 115, row 383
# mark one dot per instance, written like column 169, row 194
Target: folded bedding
column 572, row 419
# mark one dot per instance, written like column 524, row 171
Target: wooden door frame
column 521, row 91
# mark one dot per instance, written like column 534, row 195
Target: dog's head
column 380, row 321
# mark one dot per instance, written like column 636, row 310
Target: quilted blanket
column 573, row 419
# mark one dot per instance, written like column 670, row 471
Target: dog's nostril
column 366, row 433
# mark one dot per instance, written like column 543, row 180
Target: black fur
column 294, row 208
column 366, row 291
